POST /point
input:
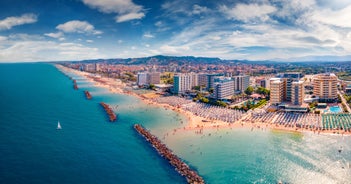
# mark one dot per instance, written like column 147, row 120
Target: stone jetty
column 112, row 116
column 75, row 86
column 182, row 168
column 87, row 95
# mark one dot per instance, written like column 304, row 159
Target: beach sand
column 195, row 123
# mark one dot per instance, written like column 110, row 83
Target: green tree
column 221, row 103
column 204, row 100
column 249, row 90
column 170, row 81
column 262, row 91
column 197, row 88
column 152, row 86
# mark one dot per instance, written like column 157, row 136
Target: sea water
column 89, row 149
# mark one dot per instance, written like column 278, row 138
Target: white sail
column 58, row 125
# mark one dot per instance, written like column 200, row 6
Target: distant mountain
column 181, row 60
column 161, row 60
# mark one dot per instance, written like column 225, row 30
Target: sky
column 65, row 30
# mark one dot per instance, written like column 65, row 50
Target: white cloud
column 126, row 10
column 341, row 18
column 3, row 38
column 54, row 35
column 197, row 9
column 10, row 22
column 248, row 12
column 76, row 26
column 120, row 41
column 35, row 48
column 182, row 7
column 89, row 41
column 129, row 16
column 174, row 50
column 148, row 35
column 158, row 23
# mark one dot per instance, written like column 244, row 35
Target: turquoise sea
column 89, row 149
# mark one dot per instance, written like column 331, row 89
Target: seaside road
column 344, row 102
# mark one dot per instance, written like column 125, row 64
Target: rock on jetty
column 87, row 95
column 75, row 86
column 182, row 168
column 112, row 116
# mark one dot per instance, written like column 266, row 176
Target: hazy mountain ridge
column 181, row 60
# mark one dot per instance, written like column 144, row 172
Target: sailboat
column 58, row 125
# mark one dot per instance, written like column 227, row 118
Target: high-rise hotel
column 223, row 88
column 325, row 86
column 146, row 78
column 277, row 91
column 297, row 92
column 184, row 82
column 287, row 88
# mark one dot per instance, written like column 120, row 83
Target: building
column 202, row 79
column 348, row 89
column 277, row 91
column 241, row 83
column 182, row 83
column 98, row 67
column 91, row 67
column 210, row 80
column 297, row 93
column 153, row 78
column 195, row 79
column 142, row 79
column 289, row 78
column 325, row 87
column 263, row 83
column 223, row 88
column 146, row 78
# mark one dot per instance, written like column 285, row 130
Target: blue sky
column 42, row 30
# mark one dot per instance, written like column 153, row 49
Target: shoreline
column 194, row 122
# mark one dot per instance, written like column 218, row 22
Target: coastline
column 194, row 122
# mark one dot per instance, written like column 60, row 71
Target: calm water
column 335, row 109
column 89, row 149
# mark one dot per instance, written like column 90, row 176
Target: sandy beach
column 194, row 122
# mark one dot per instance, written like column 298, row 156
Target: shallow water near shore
column 89, row 149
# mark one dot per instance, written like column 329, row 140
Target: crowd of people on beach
column 172, row 100
column 337, row 122
column 286, row 119
column 214, row 112
column 208, row 111
column 182, row 168
column 303, row 120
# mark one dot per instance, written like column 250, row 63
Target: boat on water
column 58, row 125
